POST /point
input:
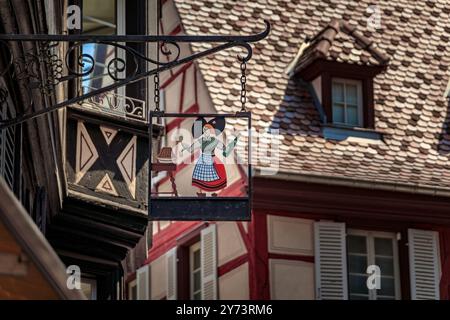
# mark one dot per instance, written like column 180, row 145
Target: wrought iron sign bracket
column 61, row 69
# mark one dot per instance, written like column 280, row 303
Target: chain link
column 156, row 93
column 243, row 86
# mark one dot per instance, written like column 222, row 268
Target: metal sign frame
column 200, row 208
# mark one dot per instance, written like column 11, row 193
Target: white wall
column 230, row 244
column 291, row 279
column 234, row 285
column 290, row 235
column 158, row 278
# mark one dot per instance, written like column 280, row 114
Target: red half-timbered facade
column 362, row 179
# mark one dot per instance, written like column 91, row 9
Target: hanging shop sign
column 201, row 169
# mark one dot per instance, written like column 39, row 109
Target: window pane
column 198, row 296
column 134, row 293
column 387, row 287
column 197, row 281
column 357, row 264
column 356, row 244
column 351, row 94
column 357, row 284
column 383, row 247
column 197, row 259
column 386, row 266
column 338, row 113
column 338, row 92
column 385, row 298
column 352, row 115
column 87, row 289
column 359, row 297
column 99, row 18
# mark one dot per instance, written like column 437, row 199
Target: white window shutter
column 171, row 279
column 330, row 261
column 143, row 283
column 424, row 264
column 208, row 260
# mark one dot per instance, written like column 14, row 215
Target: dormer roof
column 341, row 42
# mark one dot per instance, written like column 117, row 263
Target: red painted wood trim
column 354, row 223
column 176, row 74
column 183, row 244
column 192, row 236
column 195, row 85
column 259, row 258
column 444, row 248
column 335, row 202
column 231, row 189
column 167, row 239
column 403, row 259
column 176, row 30
column 231, row 265
column 291, row 257
column 175, row 123
column 245, row 237
column 183, row 87
column 130, row 277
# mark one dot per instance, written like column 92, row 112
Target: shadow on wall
column 297, row 113
column 444, row 138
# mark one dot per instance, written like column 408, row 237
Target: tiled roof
column 339, row 41
column 410, row 108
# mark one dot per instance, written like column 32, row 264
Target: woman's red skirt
column 215, row 184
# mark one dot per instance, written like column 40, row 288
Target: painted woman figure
column 209, row 172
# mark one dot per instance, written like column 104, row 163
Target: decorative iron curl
column 117, row 64
column 53, row 61
column 28, row 66
column 10, row 58
column 3, row 95
column 223, row 43
column 249, row 49
column 80, row 59
column 132, row 109
column 165, row 50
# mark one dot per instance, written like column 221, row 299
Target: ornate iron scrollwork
column 59, row 68
column 3, row 95
column 114, row 103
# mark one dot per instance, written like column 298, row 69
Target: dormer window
column 347, row 102
column 341, row 63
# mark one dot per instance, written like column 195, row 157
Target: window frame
column 132, row 290
column 370, row 235
column 183, row 243
column 192, row 249
column 92, row 282
column 327, row 70
column 120, row 28
column 359, row 101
